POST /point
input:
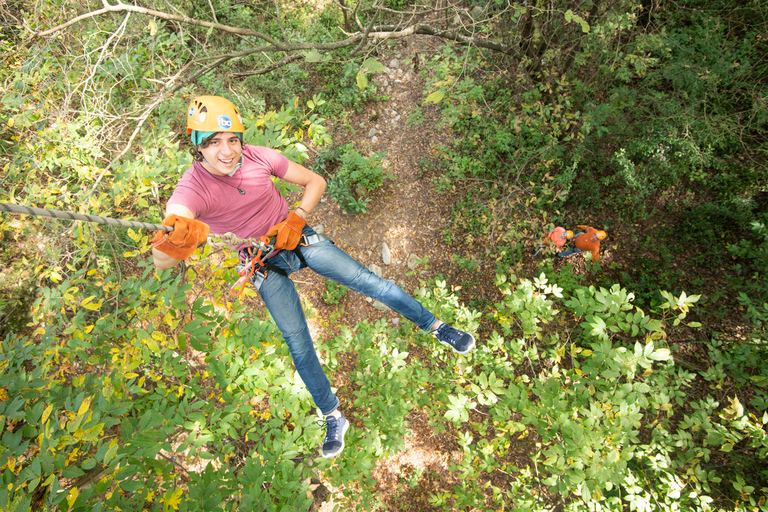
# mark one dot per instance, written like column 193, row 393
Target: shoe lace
column 449, row 333
column 332, row 424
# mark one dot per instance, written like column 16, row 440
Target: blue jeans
column 282, row 300
column 573, row 249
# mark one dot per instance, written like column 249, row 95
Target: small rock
column 386, row 256
column 360, row 190
column 372, row 132
column 413, row 261
column 362, row 125
column 374, row 140
column 394, row 63
column 396, row 321
column 381, row 307
column 477, row 11
column 397, row 117
column 368, row 299
column 375, row 269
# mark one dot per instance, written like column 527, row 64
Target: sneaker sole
column 465, row 351
column 341, row 448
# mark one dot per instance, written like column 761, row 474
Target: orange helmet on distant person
column 569, row 234
column 601, row 235
column 211, row 114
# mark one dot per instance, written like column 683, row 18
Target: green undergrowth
column 142, row 393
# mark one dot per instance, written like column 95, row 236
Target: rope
column 58, row 214
column 229, row 239
column 215, row 241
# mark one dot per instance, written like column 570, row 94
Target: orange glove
column 288, row 232
column 180, row 243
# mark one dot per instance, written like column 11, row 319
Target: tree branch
column 120, row 6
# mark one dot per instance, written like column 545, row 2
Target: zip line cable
column 58, row 214
column 215, row 241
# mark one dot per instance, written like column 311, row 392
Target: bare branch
column 360, row 47
column 158, row 14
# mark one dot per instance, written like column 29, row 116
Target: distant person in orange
column 559, row 236
column 586, row 241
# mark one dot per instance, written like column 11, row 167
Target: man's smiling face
column 222, row 154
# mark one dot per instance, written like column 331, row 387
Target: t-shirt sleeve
column 275, row 162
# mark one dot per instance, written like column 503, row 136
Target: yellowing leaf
column 91, row 305
column 152, row 27
column 174, row 499
column 153, row 346
column 47, row 413
column 72, row 496
column 84, row 408
column 435, row 97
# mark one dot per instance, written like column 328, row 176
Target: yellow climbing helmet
column 213, row 114
column 601, row 235
column 569, row 234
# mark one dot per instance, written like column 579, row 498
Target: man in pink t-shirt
column 229, row 189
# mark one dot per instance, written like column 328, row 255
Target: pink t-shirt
column 216, row 201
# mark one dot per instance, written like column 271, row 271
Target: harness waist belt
column 313, row 239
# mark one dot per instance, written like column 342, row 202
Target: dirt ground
column 412, row 218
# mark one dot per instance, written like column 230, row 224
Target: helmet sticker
column 224, row 122
column 191, row 111
column 202, row 116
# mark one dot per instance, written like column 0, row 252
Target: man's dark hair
column 197, row 155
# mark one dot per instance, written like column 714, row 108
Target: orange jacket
column 554, row 235
column 585, row 243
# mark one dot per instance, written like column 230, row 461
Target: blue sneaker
column 461, row 342
column 334, row 435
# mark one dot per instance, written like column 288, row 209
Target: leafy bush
column 334, row 292
column 351, row 175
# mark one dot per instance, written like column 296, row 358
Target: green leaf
column 662, row 354
column 131, row 485
column 372, row 66
column 313, row 56
column 362, row 81
column 435, row 97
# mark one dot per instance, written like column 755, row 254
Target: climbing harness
column 248, row 260
column 254, row 261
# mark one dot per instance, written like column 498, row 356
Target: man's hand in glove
column 288, row 232
column 180, row 243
